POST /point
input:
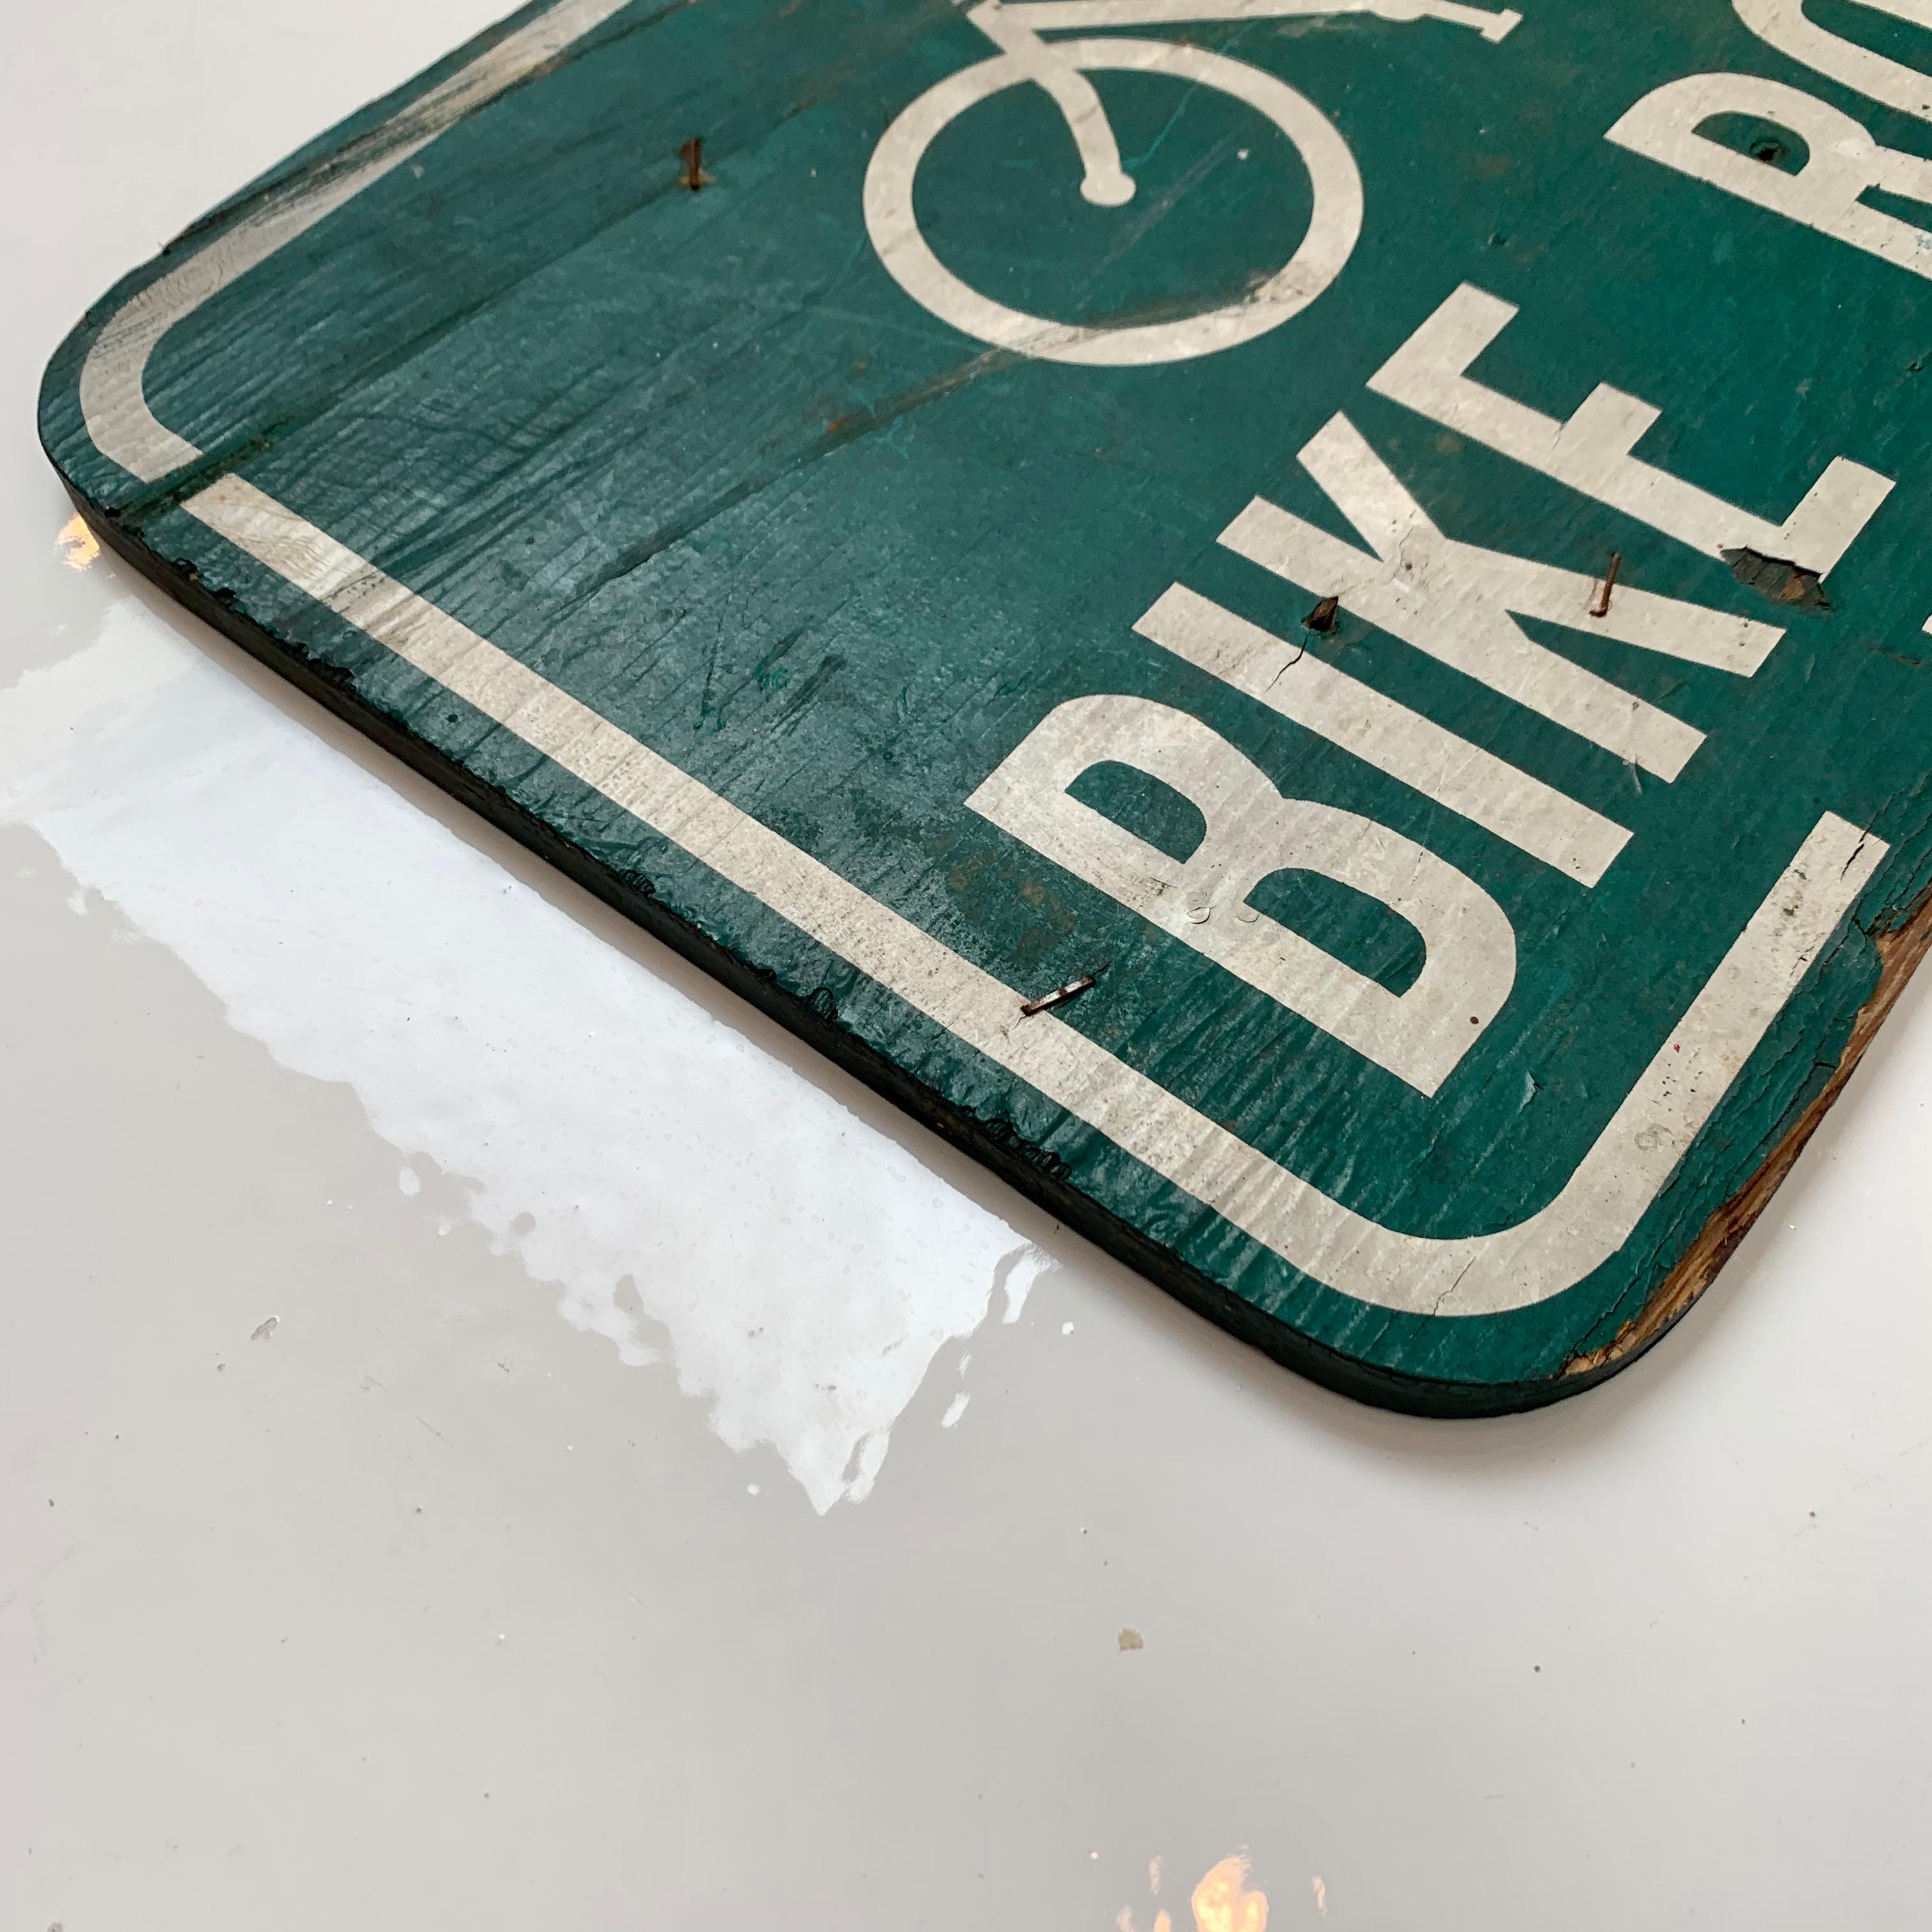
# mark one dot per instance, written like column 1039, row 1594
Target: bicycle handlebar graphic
column 1015, row 30
column 1059, row 69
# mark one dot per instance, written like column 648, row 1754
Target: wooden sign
column 1302, row 621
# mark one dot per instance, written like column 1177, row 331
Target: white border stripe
column 1587, row 1222
column 112, row 398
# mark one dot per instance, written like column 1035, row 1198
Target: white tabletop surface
column 494, row 1434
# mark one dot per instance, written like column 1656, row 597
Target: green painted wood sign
column 1302, row 621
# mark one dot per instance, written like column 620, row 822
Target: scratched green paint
column 700, row 460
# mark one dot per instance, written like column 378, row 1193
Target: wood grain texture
column 912, row 584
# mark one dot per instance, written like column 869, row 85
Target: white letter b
column 1253, row 832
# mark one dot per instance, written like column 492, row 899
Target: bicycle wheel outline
column 1334, row 227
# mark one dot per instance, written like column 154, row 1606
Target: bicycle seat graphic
column 1060, row 68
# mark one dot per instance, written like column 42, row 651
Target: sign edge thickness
column 285, row 204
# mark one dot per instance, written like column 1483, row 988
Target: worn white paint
column 891, row 219
column 1455, row 600
column 1447, row 601
column 1440, row 763
column 1420, row 1035
column 1046, row 16
column 1784, row 24
column 1634, row 1156
column 1590, row 450
column 1842, row 161
column 1104, row 182
column 1059, row 68
column 1636, row 1153
column 246, row 1684
column 113, row 396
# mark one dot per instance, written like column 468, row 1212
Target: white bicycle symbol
column 1061, row 68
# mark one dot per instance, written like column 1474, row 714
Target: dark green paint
column 700, row 461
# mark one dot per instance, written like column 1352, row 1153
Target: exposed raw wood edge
column 1900, row 951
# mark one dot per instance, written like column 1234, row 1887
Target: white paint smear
column 806, row 1268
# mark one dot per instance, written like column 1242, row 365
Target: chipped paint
column 786, row 584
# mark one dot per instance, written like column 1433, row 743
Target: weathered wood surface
column 1387, row 576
